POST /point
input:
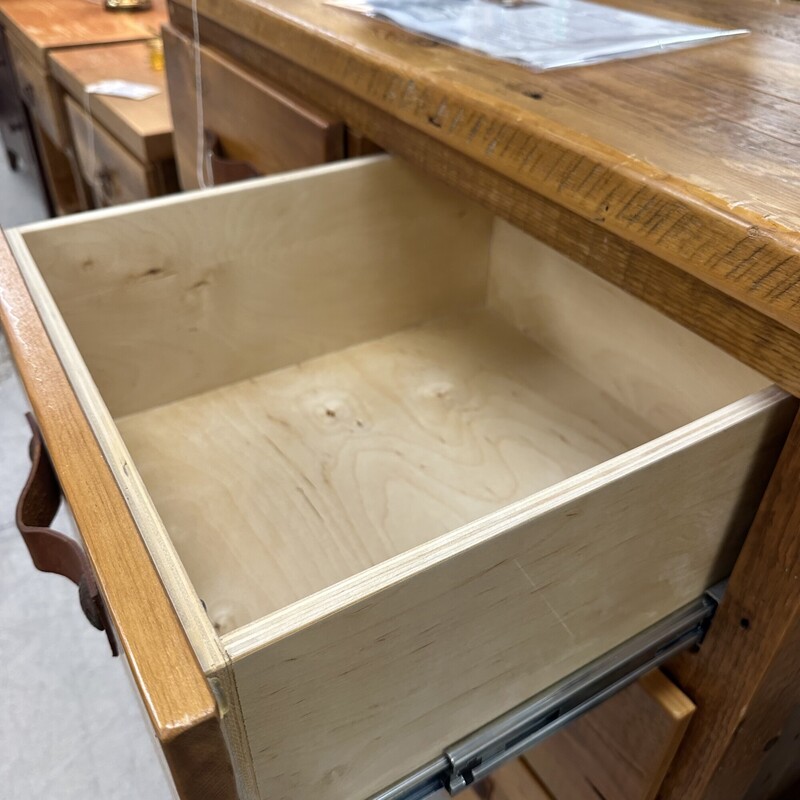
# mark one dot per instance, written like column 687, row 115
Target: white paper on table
column 543, row 34
column 120, row 88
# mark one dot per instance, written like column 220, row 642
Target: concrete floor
column 72, row 727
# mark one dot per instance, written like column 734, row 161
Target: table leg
column 745, row 678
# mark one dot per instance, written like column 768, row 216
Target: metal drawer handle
column 50, row 550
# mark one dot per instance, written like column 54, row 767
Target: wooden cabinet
column 14, row 128
column 113, row 174
column 36, row 29
column 249, row 127
column 41, row 95
column 398, row 465
column 123, row 147
column 360, row 466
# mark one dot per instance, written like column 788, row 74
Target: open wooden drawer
column 415, row 465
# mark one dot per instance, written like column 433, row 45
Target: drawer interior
column 317, row 373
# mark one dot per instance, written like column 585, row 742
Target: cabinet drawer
column 246, row 122
column 114, row 175
column 41, row 94
column 416, row 465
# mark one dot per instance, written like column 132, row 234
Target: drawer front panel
column 383, row 685
column 42, row 96
column 114, row 175
column 245, row 120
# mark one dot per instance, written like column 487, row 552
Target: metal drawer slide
column 507, row 737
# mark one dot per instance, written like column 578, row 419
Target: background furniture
column 34, row 28
column 20, row 150
column 672, row 178
column 123, row 147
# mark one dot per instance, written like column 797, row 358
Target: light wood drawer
column 249, row 127
column 416, row 465
column 114, row 175
column 41, row 95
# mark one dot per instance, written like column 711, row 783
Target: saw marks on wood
column 276, row 487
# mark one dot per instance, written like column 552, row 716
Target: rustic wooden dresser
column 365, row 455
column 31, row 32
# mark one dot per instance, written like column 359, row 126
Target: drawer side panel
column 404, row 660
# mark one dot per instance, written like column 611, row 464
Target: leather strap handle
column 50, row 550
column 222, row 168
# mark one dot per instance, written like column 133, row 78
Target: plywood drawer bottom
column 416, row 465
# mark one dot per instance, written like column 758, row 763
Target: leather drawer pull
column 222, row 168
column 50, row 550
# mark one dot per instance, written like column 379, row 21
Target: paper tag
column 545, row 34
column 127, row 89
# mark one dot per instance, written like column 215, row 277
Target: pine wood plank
column 746, row 675
column 779, row 773
column 177, row 697
column 621, row 749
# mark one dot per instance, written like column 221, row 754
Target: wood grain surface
column 177, row 697
column 61, row 175
column 144, row 127
column 644, row 154
column 42, row 25
column 621, row 749
column 650, row 482
column 236, row 297
column 323, row 470
column 447, row 636
column 747, row 671
column 659, row 370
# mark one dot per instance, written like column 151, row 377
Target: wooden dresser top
column 144, row 126
column 692, row 156
column 42, row 25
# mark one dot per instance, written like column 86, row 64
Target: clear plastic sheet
column 543, row 34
